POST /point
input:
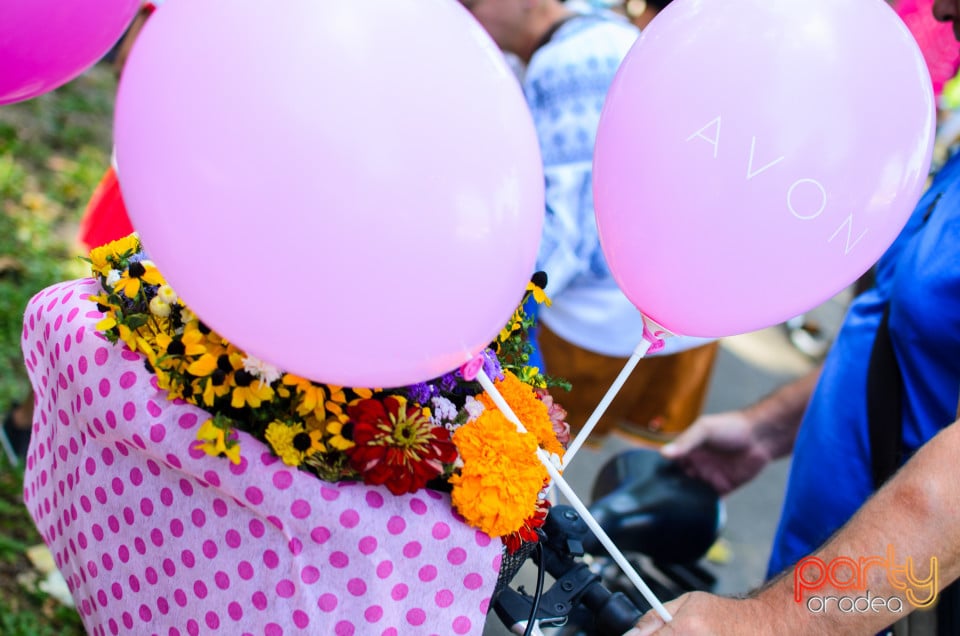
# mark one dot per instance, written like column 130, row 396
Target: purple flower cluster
column 453, row 383
column 421, row 393
column 491, row 365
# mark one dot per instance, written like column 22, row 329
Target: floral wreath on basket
column 444, row 434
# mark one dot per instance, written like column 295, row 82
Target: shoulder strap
column 884, row 402
column 884, row 399
column 885, row 395
column 885, row 420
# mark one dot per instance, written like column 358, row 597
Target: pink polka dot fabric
column 154, row 538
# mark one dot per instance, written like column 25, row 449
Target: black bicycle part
column 648, row 505
column 575, row 584
column 538, row 592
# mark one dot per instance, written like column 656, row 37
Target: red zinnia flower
column 528, row 532
column 397, row 445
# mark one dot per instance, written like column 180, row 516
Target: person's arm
column 914, row 517
column 729, row 449
column 777, row 417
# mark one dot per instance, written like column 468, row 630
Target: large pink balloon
column 46, row 43
column 351, row 191
column 756, row 157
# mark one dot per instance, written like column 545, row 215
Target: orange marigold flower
column 533, row 413
column 528, row 532
column 496, row 490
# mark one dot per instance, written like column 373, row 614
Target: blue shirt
column 831, row 475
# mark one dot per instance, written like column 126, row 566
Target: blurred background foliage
column 53, row 151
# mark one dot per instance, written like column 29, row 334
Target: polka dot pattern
column 152, row 538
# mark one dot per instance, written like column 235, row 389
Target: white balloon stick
column 575, row 501
column 598, row 412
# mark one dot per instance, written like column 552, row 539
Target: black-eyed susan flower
column 539, row 295
column 347, row 433
column 310, row 397
column 336, row 400
column 203, row 366
column 336, row 433
column 514, row 324
column 120, row 330
column 153, row 338
column 212, row 388
column 248, row 390
column 363, row 394
column 137, row 273
column 293, row 443
column 107, row 323
column 217, row 437
column 104, row 303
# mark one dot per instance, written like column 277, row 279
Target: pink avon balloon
column 351, row 191
column 46, row 43
column 754, row 157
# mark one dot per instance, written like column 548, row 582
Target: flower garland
column 444, row 434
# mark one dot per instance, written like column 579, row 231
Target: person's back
column 566, row 83
column 571, row 54
column 591, row 328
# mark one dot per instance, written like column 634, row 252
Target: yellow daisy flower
column 121, row 248
column 515, row 324
column 311, row 397
column 538, row 294
column 334, row 432
column 106, row 323
column 134, row 275
column 293, row 442
column 215, row 439
column 249, row 391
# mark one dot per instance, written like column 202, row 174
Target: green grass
column 25, row 610
column 53, row 152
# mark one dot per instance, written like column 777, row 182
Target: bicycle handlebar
column 575, row 584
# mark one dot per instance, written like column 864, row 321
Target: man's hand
column 701, row 614
column 724, row 449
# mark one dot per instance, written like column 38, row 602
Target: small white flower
column 159, row 308
column 113, row 278
column 556, row 461
column 166, row 294
column 443, row 410
column 267, row 373
column 473, row 408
